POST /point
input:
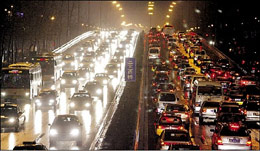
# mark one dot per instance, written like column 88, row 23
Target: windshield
column 167, row 97
column 211, row 104
column 8, row 111
column 47, row 93
column 16, row 81
column 209, row 90
column 81, row 95
column 69, row 75
column 240, row 132
column 68, row 57
column 154, row 51
column 66, row 119
column 175, row 107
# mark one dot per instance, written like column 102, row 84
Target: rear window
column 167, row 97
column 176, row 136
column 230, row 109
column 154, row 51
column 173, row 107
column 253, row 106
column 227, row 132
column 211, row 104
column 170, row 120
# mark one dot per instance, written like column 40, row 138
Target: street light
column 52, row 18
column 117, row 5
column 114, row 2
column 170, row 10
column 120, row 8
column 122, row 16
column 168, row 16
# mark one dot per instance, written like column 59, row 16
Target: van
column 204, row 91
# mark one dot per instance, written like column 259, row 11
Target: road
column 38, row 121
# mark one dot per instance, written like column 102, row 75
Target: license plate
column 237, row 99
column 234, row 140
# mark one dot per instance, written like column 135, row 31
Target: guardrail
column 221, row 55
column 72, row 42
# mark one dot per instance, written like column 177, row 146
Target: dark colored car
column 12, row 116
column 30, row 146
column 81, row 101
column 47, row 98
column 65, row 128
column 95, row 89
column 69, row 79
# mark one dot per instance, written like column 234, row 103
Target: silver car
column 165, row 98
column 251, row 110
column 208, row 111
column 231, row 137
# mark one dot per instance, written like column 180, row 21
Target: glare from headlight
column 53, row 87
column 87, row 104
column 91, row 65
column 11, row 120
column 72, row 104
column 115, row 71
column 74, row 132
column 37, row 101
column 74, row 81
column 118, row 65
column 105, row 71
column 99, row 91
column 63, row 81
column 104, row 81
column 39, row 104
column 27, row 94
column 51, row 101
column 3, row 93
column 53, row 132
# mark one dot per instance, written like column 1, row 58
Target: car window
column 230, row 109
column 8, row 111
column 211, row 104
column 167, row 97
column 173, row 107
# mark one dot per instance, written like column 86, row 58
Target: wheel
column 79, row 143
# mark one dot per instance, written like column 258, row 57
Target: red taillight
column 204, row 110
column 158, row 90
column 219, row 141
column 234, row 126
column 162, row 143
column 186, row 113
column 160, row 127
column 180, row 128
column 249, row 142
column 245, row 112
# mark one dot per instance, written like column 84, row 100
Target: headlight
column 74, row 132
column 91, row 65
column 27, row 94
column 72, row 104
column 53, row 87
column 37, row 101
column 99, row 91
column 53, row 132
column 3, row 93
column 115, row 71
column 74, row 81
column 11, row 120
column 104, row 81
column 63, row 81
column 87, row 104
column 105, row 71
column 51, row 101
column 72, row 64
column 118, row 65
column 81, row 64
column 75, row 54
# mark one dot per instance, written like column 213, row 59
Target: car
column 199, row 55
column 247, row 80
column 112, row 70
column 223, row 63
column 231, row 136
column 162, row 69
column 160, row 78
column 235, row 94
column 103, row 78
column 95, row 89
column 47, row 98
column 85, row 73
column 208, row 111
column 227, row 107
column 65, row 127
column 166, row 87
column 81, row 101
column 228, row 118
column 30, row 146
column 69, row 79
column 69, row 62
column 169, row 121
column 12, row 116
column 163, row 99
column 153, row 53
column 89, row 63
column 174, row 137
column 251, row 111
column 180, row 110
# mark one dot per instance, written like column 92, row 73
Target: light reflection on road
column 38, row 122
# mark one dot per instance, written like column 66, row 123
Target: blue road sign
column 130, row 70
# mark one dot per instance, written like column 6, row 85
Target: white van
column 204, row 91
column 154, row 53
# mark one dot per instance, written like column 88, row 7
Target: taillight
column 158, row 90
column 249, row 142
column 186, row 113
column 160, row 127
column 204, row 110
column 219, row 141
column 245, row 112
column 162, row 143
column 180, row 128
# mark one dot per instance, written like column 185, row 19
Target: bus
column 51, row 64
column 21, row 82
column 205, row 91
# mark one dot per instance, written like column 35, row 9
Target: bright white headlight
column 63, row 81
column 11, row 120
column 99, row 91
column 91, row 65
column 104, row 81
column 115, row 71
column 87, row 104
column 53, row 132
column 51, row 101
column 72, row 104
column 3, row 93
column 74, row 132
column 27, row 94
column 74, row 81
